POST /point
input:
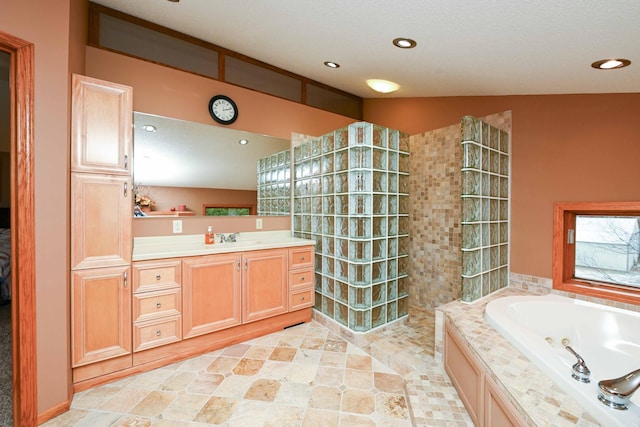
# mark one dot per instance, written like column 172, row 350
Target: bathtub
column 607, row 338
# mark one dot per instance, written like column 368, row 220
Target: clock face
column 223, row 109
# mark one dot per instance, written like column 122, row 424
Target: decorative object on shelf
column 223, row 109
column 143, row 200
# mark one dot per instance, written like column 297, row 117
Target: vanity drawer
column 301, row 299
column 156, row 275
column 151, row 334
column 301, row 257
column 152, row 305
column 301, row 279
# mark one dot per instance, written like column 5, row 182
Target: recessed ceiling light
column 404, row 43
column 149, row 128
column 610, row 64
column 331, row 64
column 382, row 86
column 243, row 142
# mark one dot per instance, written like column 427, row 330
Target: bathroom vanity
column 188, row 298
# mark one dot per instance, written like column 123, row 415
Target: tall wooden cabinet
column 101, row 210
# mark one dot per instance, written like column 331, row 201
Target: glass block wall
column 274, row 184
column 351, row 196
column 485, row 209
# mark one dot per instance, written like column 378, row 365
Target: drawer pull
column 301, row 298
column 158, row 277
column 158, row 305
column 158, row 332
column 302, row 279
column 301, row 258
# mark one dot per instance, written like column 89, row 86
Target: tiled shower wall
column 437, row 242
column 435, row 230
column 351, row 196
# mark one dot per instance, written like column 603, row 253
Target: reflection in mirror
column 181, row 167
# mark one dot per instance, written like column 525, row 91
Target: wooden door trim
column 23, row 317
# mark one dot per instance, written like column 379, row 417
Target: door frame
column 23, row 308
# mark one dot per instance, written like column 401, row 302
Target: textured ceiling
column 473, row 47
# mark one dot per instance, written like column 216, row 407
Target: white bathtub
column 608, row 339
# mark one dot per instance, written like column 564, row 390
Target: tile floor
column 315, row 374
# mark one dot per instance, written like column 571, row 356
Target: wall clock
column 223, row 109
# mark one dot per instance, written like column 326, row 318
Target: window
column 596, row 250
column 229, row 210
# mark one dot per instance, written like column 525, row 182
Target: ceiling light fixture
column 149, row 128
column 404, row 43
column 610, row 64
column 382, row 86
column 331, row 64
column 243, row 142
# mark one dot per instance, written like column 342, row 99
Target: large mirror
column 185, row 168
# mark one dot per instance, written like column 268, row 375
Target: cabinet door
column 498, row 411
column 100, row 220
column 264, row 284
column 211, row 287
column 100, row 315
column 101, row 126
column 465, row 374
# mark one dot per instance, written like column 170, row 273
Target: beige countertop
column 158, row 247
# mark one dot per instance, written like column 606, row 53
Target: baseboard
column 54, row 412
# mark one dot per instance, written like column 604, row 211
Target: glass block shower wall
column 351, row 196
column 485, row 209
column 274, row 184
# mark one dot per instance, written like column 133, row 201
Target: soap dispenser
column 209, row 237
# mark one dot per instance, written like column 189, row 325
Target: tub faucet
column 579, row 370
column 617, row 392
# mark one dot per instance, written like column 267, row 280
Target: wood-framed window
column 596, row 249
column 221, row 209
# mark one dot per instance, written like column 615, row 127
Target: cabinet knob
column 301, row 298
column 301, row 258
column 158, row 277
column 302, row 279
column 158, row 305
column 158, row 332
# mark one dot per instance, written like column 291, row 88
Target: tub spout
column 580, row 372
column 617, row 392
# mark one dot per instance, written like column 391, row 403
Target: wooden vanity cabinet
column 301, row 277
column 157, row 303
column 211, row 297
column 264, row 284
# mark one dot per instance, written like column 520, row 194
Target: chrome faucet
column 232, row 237
column 580, row 372
column 617, row 392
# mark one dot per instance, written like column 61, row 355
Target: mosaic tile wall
column 435, row 232
column 436, row 220
column 351, row 196
column 274, row 184
column 485, row 209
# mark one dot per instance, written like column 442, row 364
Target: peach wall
column 564, row 148
column 47, row 25
column 172, row 93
